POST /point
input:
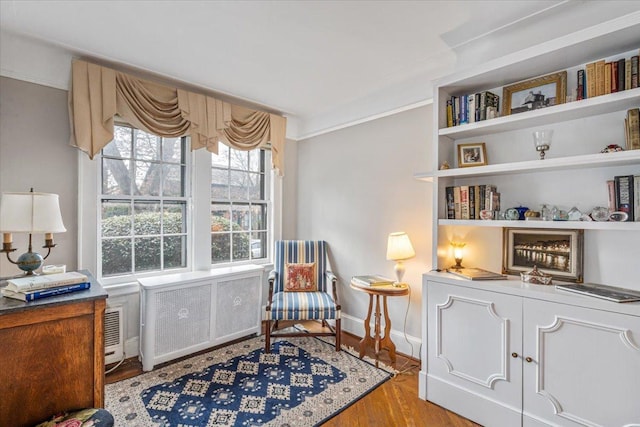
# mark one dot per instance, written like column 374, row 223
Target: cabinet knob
column 514, row 355
column 528, row 359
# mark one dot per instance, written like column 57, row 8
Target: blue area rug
column 302, row 382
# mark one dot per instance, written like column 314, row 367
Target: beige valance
column 99, row 93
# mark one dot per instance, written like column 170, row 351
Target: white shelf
column 546, row 116
column 580, row 225
column 620, row 158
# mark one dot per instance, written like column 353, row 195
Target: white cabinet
column 574, row 172
column 188, row 312
column 503, row 354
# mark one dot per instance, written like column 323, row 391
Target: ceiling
column 324, row 64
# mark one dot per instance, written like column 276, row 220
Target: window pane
column 116, row 256
column 116, row 219
column 121, row 144
column 259, row 245
column 172, row 150
column 220, row 247
column 239, row 159
column 147, row 146
column 255, row 159
column 220, row 215
column 148, row 176
column 255, row 186
column 238, row 184
column 241, row 247
column 146, row 219
column 174, row 219
column 258, row 217
column 222, row 158
column 147, row 253
column 116, row 176
column 175, row 254
column 173, row 181
column 219, row 183
column 241, row 217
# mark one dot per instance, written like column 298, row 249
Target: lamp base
column 29, row 261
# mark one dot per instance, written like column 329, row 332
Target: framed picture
column 474, row 154
column 536, row 93
column 555, row 252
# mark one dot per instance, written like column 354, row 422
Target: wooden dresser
column 51, row 355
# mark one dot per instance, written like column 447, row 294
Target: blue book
column 45, row 293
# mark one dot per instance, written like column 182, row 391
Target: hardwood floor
column 394, row 403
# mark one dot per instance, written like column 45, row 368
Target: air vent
column 113, row 331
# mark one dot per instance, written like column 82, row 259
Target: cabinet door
column 585, row 367
column 471, row 336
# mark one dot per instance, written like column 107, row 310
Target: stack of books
column 31, row 288
column 372, row 280
column 476, row 274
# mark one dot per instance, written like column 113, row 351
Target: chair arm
column 273, row 274
column 333, row 279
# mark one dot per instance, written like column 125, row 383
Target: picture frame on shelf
column 534, row 94
column 473, row 154
column 556, row 252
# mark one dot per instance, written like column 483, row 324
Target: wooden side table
column 377, row 342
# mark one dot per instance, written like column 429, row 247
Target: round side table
column 377, row 342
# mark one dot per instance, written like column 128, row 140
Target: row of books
column 632, row 129
column 472, row 108
column 467, row 201
column 602, row 78
column 31, row 288
column 624, row 195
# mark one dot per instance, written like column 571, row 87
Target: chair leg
column 267, row 337
column 338, row 334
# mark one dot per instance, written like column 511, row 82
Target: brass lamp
column 458, row 252
column 29, row 213
column 399, row 248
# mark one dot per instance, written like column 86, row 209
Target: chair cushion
column 87, row 417
column 300, row 277
column 302, row 306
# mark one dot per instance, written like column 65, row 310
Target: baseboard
column 132, row 347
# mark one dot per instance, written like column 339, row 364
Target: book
column 627, row 74
column 464, row 202
column 580, row 93
column 44, row 293
column 591, row 79
column 456, row 203
column 620, row 79
column 45, row 281
column 636, row 197
column 633, row 129
column 451, row 212
column 372, row 280
column 600, row 78
column 610, row 293
column 624, row 195
column 607, row 78
column 449, row 113
column 634, row 72
column 471, row 108
column 611, row 189
column 476, row 274
column 614, row 76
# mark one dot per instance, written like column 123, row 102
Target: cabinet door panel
column 585, row 368
column 471, row 335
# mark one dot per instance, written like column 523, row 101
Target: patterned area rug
column 302, row 382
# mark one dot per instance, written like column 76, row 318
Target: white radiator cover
column 184, row 313
column 113, row 334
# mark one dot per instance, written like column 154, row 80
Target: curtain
column 98, row 94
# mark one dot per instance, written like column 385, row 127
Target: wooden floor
column 394, row 403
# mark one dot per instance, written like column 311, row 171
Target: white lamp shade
column 30, row 213
column 399, row 247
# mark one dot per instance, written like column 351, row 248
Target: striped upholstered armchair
column 302, row 287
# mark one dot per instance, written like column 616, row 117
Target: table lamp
column 29, row 213
column 458, row 252
column 399, row 249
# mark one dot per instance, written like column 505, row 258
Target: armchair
column 302, row 287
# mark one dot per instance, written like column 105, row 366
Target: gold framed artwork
column 474, row 154
column 534, row 94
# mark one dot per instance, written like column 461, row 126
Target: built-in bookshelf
column 574, row 172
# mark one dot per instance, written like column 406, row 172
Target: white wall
column 35, row 152
column 355, row 186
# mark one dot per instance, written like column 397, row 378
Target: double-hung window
column 240, row 205
column 143, row 203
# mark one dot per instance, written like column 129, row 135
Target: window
column 240, row 205
column 143, row 203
